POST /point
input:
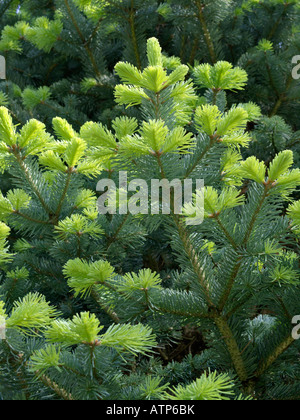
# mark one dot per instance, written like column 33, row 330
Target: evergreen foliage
column 149, row 306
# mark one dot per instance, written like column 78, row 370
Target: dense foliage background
column 233, row 335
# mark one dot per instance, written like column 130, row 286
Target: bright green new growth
column 45, row 359
column 84, row 276
column 31, row 313
column 85, row 329
column 142, row 87
column 207, row 388
column 222, row 76
column 145, row 280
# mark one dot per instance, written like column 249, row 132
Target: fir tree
column 149, row 306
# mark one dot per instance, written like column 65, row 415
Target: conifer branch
column 280, row 349
column 213, row 141
column 83, row 40
column 96, row 29
column 230, row 285
column 179, row 312
column 59, row 391
column 194, row 259
column 233, row 348
column 282, row 98
column 17, row 361
column 107, row 309
column 188, row 246
column 31, row 219
column 207, row 36
column 7, row 6
column 227, row 234
column 255, row 215
column 133, row 33
column 31, row 181
column 278, row 21
column 63, row 196
column 114, row 237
